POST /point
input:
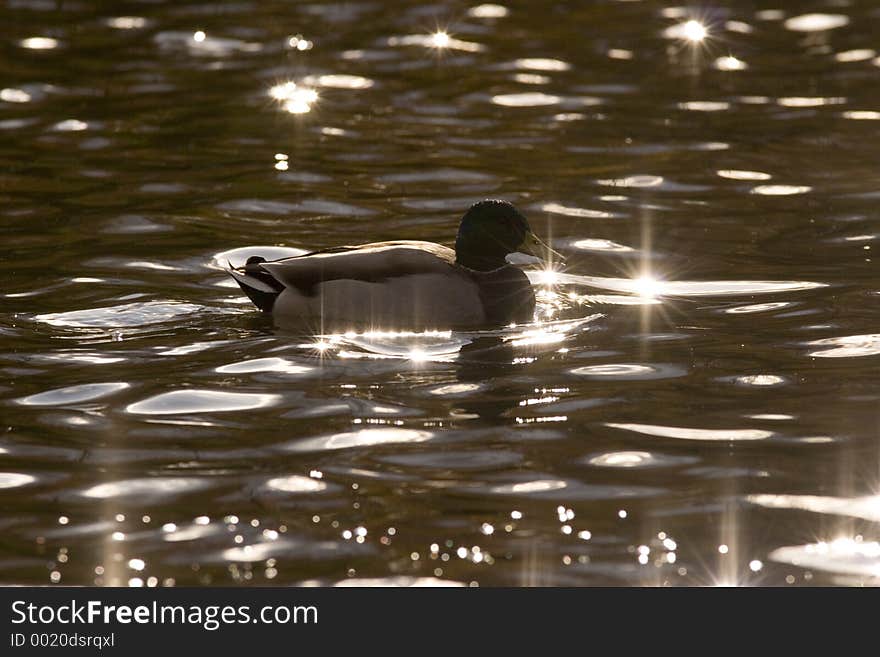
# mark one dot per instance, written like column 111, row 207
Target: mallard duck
column 408, row 285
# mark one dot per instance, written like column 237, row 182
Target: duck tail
column 257, row 283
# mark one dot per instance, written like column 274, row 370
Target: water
column 698, row 403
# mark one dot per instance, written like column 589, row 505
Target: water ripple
column 127, row 22
column 602, row 245
column 629, row 372
column 456, row 461
column 338, row 81
column 850, row 346
column 203, row 45
column 180, row 402
column 488, row 10
column 274, row 364
column 639, row 460
column 437, row 41
column 757, row 308
column 816, row 22
column 526, row 99
column 866, row 507
column 73, row 394
column 456, row 389
column 362, row 438
column 307, row 207
column 687, row 433
column 844, row 556
column 296, row 484
column 126, row 315
column 760, row 380
column 39, row 43
column 541, row 64
column 571, row 211
column 780, row 190
column 15, row 480
column 562, row 489
column 689, row 288
column 734, row 174
column 148, row 489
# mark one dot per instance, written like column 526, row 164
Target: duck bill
column 533, row 246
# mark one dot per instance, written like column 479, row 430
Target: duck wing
column 368, row 262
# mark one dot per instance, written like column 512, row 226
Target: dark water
column 698, row 403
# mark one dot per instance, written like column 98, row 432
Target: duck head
column 491, row 230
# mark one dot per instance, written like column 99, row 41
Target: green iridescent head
column 490, row 231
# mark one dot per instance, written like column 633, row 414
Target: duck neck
column 479, row 261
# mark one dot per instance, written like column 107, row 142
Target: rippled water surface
column 696, row 402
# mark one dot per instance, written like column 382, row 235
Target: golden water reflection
column 754, row 379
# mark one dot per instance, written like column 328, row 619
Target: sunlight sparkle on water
column 283, row 91
column 548, row 277
column 297, row 42
column 440, row 39
column 15, row 96
column 488, row 11
column 39, row 43
column 294, row 99
column 321, row 346
column 730, row 63
column 852, row 556
column 417, row 355
column 127, row 22
column 694, row 31
column 647, row 287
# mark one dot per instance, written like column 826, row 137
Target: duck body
column 397, row 285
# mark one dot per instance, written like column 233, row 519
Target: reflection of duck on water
column 405, row 284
